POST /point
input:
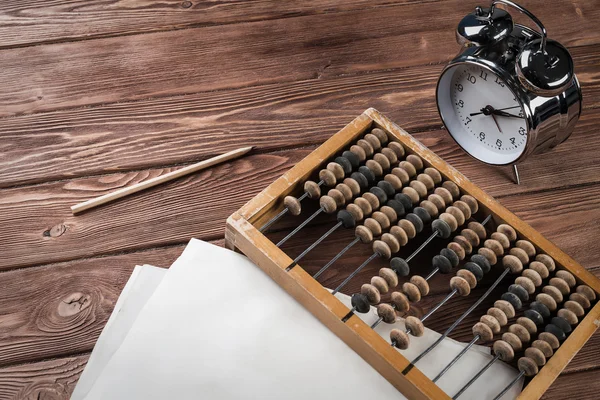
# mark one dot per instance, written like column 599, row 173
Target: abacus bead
column 503, row 350
column 475, row 270
column 562, row 324
column 547, row 300
column 528, row 366
column 375, row 167
column 501, row 238
column 292, row 204
column 408, row 167
column 442, row 228
column 556, row 331
column 488, row 254
column 382, row 160
column 397, row 148
column 394, row 181
column 450, row 255
column 450, row 220
column 534, row 276
column 427, row 181
column 416, row 221
column 345, row 190
column 519, row 291
column 352, row 158
column 364, row 234
column 397, row 207
column 553, row 292
column 412, row 291
column 460, row 285
column 452, row 188
column 581, row 299
column 482, row 262
column 390, row 276
column 587, row 292
column 400, row 339
column 539, row 268
column 337, row 169
column 527, row 324
column 429, row 207
column 444, row 194
column 464, row 243
column 336, row 195
column 434, row 174
column 313, row 189
column 512, row 262
column 513, row 340
column 506, row 308
column 382, row 249
column 415, row 325
column 380, row 135
column 353, row 185
column 412, row 194
column 328, row 177
column 345, row 164
column 373, row 226
column 484, row 331
column 550, row 339
column 478, row 228
column 372, row 199
column 464, row 207
column 408, row 227
column 457, row 249
column 526, row 283
column 400, row 301
column 561, row 285
column 346, row 218
column 371, row 292
column 438, row 201
column 359, row 151
column 355, row 211
column 380, row 193
column 456, row 213
column 472, row 202
column 386, row 312
column 328, row 204
column 421, row 284
column 507, row 230
column 367, row 173
column 399, row 234
column 568, row 315
column 415, row 160
column 467, row 276
column 567, row 277
column 520, row 254
column 495, row 246
column 535, row 316
column 547, row 261
column 575, row 307
column 471, row 236
column 498, row 315
column 373, row 141
column 360, row 302
column 401, row 174
column 513, row 300
column 419, row 187
column 521, row 332
column 544, row 347
column 405, row 200
column 383, row 220
column 527, row 246
column 366, row 146
column 364, row 205
column 491, row 322
column 442, row 263
column 536, row 355
column 422, row 214
column 380, row 284
column 400, row 266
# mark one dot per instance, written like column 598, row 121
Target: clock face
column 482, row 114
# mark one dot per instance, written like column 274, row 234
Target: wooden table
column 98, row 95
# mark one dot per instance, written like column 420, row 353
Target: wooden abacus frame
column 242, row 233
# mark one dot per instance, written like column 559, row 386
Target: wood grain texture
column 219, row 57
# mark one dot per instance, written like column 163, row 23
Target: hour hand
column 505, row 114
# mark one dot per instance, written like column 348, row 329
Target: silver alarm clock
column 510, row 92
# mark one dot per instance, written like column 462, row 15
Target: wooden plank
column 77, row 74
column 583, row 385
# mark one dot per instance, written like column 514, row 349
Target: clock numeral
column 471, row 78
column 521, row 113
column 482, row 136
column 512, row 140
column 499, row 143
column 483, row 75
column 460, row 103
column 459, row 87
column 522, row 131
column 467, row 120
column 499, row 82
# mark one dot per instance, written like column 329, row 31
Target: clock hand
column 496, row 121
column 504, row 114
column 488, row 110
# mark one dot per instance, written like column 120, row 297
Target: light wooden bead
column 364, row 234
column 338, row 196
column 359, row 152
column 581, row 299
column 380, row 284
column 373, row 141
column 382, row 160
column 400, row 339
column 364, row 205
column 540, row 269
column 479, row 229
column 506, row 308
column 526, row 283
column 567, row 277
column 390, row 276
column 355, row 211
column 544, row 347
column 501, row 238
column 547, row 261
column 408, row 167
column 381, row 135
column 513, row 340
column 366, row 146
column 511, row 262
column 553, row 292
column 452, row 188
column 536, row 355
column 375, row 167
column 390, row 154
column 568, row 315
column 489, row 254
column 382, row 249
column 408, row 227
column 328, row 177
column 328, row 204
column 337, row 170
column 527, row 246
column 450, row 220
column 503, row 350
column 472, row 202
column 521, row 332
column 499, row 315
column 457, row 214
column 373, row 226
column 313, row 189
column 292, row 204
column 345, row 190
column 550, row 339
column 416, row 161
column 421, row 284
column 507, row 230
column 491, row 322
column 412, row 291
column 383, row 219
column 587, row 292
column 394, row 181
column 495, row 246
column 399, row 234
column 400, row 301
column 401, row 174
column 430, row 208
column 371, row 292
column 386, row 312
column 484, row 331
column 353, row 185
column 460, row 285
column 458, row 249
column 467, row 276
column 547, row 300
column 534, row 276
column 415, row 325
column 463, row 207
column 390, row 213
column 438, row 201
column 412, row 194
column 520, row 254
column 420, row 188
column 398, row 148
column 434, row 174
column 372, row 199
column 444, row 194
column 561, row 285
column 427, row 181
column 391, row 241
column 528, row 366
column 465, row 244
column 575, row 307
column 527, row 324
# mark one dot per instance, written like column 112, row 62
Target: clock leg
column 517, row 179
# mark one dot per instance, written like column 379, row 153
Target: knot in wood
column 74, row 304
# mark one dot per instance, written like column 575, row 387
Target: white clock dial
column 482, row 114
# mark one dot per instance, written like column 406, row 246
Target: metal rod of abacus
column 441, row 303
column 455, row 359
column 487, row 366
column 302, row 225
column 312, row 246
column 507, row 388
column 356, row 271
column 422, row 246
column 334, row 259
column 285, row 210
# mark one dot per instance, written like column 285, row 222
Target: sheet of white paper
column 250, row 346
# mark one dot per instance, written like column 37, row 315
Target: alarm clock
column 510, row 92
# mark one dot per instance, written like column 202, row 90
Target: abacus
column 390, row 189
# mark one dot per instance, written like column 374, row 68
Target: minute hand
column 505, row 114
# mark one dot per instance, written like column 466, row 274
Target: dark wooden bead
column 405, row 200
column 367, row 173
column 396, row 206
column 556, row 331
column 512, row 299
column 423, row 214
column 442, row 263
column 361, row 179
column 377, row 191
column 483, row 262
column 535, row 316
column 416, row 221
column 400, row 266
column 519, row 291
column 352, row 158
column 562, row 323
column 345, row 163
column 475, row 269
column 450, row 255
column 347, row 219
column 444, row 230
column 360, row 302
column 540, row 308
column 387, row 188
